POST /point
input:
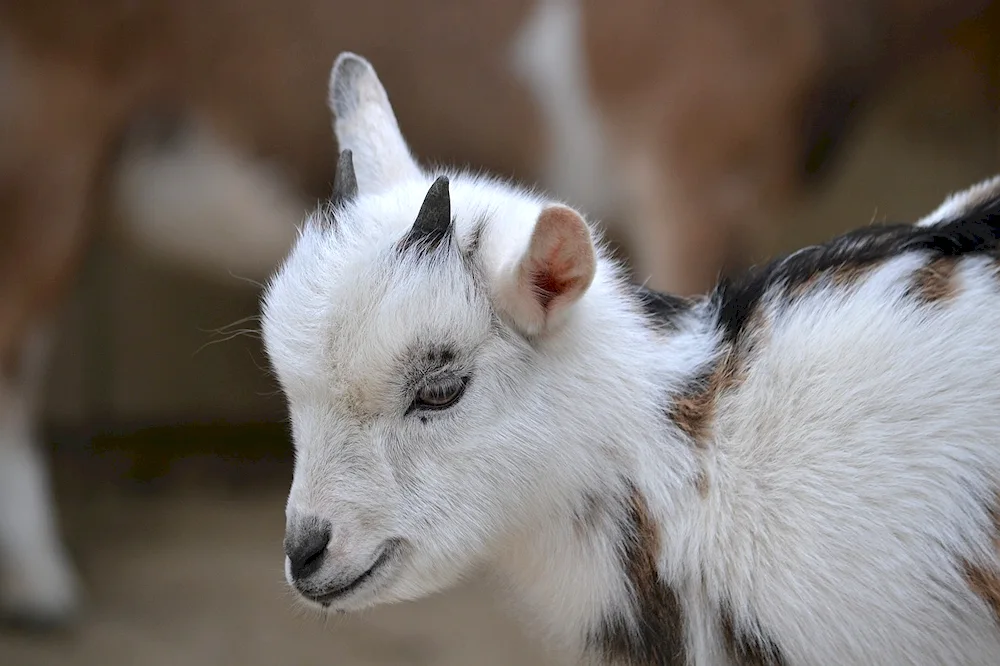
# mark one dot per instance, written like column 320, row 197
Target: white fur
column 959, row 201
column 854, row 465
column 37, row 582
column 200, row 204
column 847, row 474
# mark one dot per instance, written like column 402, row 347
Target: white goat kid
column 801, row 468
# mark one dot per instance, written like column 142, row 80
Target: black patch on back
column 662, row 309
column 977, row 231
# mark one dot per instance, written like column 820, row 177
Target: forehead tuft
column 347, row 295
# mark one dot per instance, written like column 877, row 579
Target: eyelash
column 443, row 394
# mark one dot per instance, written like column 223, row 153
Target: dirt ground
column 183, row 566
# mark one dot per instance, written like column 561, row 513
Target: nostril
column 306, row 548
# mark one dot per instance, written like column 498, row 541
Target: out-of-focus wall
column 132, row 349
column 936, row 131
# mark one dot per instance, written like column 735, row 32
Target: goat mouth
column 328, row 596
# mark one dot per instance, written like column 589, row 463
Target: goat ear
column 553, row 273
column 364, row 124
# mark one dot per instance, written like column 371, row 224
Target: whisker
column 265, row 369
column 250, row 333
column 255, row 283
column 239, row 322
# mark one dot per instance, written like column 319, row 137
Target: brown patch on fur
column 985, row 581
column 935, row 281
column 843, row 277
column 748, row 650
column 802, row 288
column 657, row 637
column 645, row 549
column 986, row 584
column 587, row 517
column 849, row 275
column 694, row 412
column 701, row 483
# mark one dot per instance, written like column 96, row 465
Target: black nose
column 305, row 546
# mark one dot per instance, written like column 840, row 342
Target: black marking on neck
column 663, row 310
column 975, row 231
column 651, row 631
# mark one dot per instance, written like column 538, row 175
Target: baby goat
column 802, row 467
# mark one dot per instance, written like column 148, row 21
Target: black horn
column 345, row 183
column 433, row 222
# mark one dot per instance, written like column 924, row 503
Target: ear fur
column 365, row 124
column 554, row 272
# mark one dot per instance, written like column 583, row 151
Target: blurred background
column 155, row 156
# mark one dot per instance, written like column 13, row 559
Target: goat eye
column 440, row 394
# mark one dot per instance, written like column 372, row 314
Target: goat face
column 404, row 329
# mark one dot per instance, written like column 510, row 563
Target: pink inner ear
column 552, row 278
column 561, row 258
